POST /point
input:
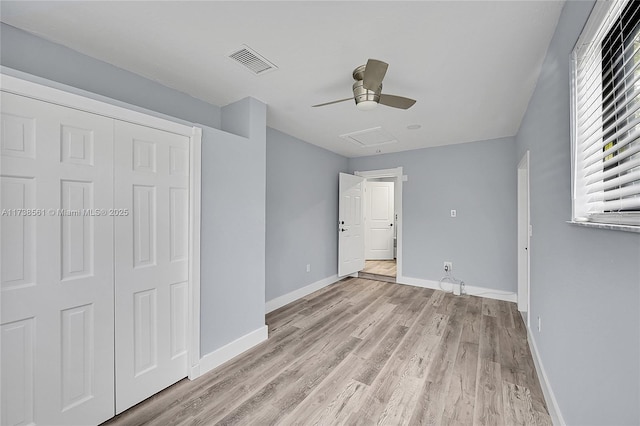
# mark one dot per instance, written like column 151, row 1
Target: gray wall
column 585, row 283
column 479, row 181
column 26, row 52
column 302, row 213
column 233, row 226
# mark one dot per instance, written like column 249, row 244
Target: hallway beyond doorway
column 381, row 270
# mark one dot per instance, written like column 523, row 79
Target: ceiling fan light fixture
column 366, row 105
column 366, row 100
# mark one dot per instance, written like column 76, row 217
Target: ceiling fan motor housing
column 360, row 94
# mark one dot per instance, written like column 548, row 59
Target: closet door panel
column 57, row 264
column 152, row 184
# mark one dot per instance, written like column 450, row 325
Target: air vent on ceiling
column 252, row 60
column 370, row 137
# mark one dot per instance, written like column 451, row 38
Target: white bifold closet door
column 152, row 184
column 57, row 264
column 94, row 263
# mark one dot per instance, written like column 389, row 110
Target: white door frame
column 524, row 236
column 399, row 178
column 37, row 91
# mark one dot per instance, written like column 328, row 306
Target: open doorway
column 379, row 228
column 382, row 224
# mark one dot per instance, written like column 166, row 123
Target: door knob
column 342, row 229
column 391, row 224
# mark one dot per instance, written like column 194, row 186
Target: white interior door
column 524, row 234
column 57, row 264
column 379, row 221
column 152, row 181
column 351, row 225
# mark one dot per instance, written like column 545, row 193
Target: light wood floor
column 380, row 267
column 366, row 352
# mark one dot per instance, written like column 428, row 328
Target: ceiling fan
column 368, row 87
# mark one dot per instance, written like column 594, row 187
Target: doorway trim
column 399, row 178
column 42, row 92
column 524, row 237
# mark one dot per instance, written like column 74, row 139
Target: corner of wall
column 246, row 117
column 234, row 227
column 229, row 351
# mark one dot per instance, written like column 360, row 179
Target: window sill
column 612, row 227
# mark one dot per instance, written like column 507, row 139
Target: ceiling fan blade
column 333, row 102
column 373, row 74
column 396, row 101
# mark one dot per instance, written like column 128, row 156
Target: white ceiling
column 471, row 65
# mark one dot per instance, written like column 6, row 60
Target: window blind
column 606, row 115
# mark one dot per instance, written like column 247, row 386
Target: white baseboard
column 471, row 290
column 285, row 299
column 233, row 349
column 549, row 396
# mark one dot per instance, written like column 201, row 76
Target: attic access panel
column 375, row 136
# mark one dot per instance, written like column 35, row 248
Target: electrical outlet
column 448, row 266
column 454, row 213
column 539, row 324
column 308, row 267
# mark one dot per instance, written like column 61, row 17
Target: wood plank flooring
column 364, row 352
